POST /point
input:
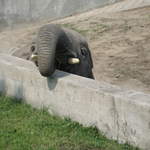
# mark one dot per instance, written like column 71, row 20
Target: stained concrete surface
column 16, row 11
column 120, row 114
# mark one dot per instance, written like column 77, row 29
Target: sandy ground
column 119, row 41
column 120, row 44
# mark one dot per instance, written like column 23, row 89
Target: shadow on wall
column 18, row 90
column 2, row 86
column 53, row 80
column 15, row 90
column 51, row 83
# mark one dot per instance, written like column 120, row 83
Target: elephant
column 61, row 48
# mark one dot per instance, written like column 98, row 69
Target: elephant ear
column 47, row 41
column 89, row 53
column 90, row 58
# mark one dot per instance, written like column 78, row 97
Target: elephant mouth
column 68, row 68
column 71, row 61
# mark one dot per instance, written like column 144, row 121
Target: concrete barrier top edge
column 97, row 86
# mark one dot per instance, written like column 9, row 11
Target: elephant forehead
column 74, row 36
column 75, row 41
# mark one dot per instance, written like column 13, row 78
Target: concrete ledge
column 121, row 115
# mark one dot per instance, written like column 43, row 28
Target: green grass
column 25, row 128
column 72, row 26
column 94, row 28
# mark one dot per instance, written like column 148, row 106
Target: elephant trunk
column 47, row 41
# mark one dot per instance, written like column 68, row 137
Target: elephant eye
column 83, row 51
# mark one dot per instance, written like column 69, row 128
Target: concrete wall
column 17, row 11
column 119, row 114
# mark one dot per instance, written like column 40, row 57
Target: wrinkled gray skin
column 76, row 47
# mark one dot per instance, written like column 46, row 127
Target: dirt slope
column 120, row 44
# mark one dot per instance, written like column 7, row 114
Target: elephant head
column 63, row 49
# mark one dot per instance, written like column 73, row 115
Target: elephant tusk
column 34, row 57
column 73, row 61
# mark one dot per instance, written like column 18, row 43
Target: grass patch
column 71, row 26
column 94, row 28
column 25, row 128
column 99, row 28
